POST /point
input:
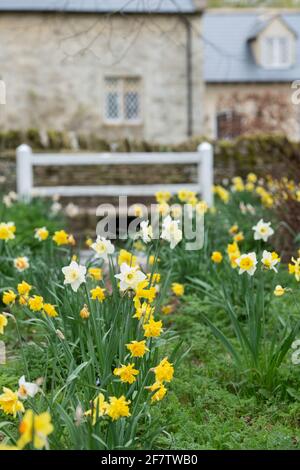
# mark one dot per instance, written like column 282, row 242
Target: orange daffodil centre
column 247, row 263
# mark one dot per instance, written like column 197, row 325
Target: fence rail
column 26, row 160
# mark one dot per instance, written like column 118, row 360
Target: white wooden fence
column 26, row 160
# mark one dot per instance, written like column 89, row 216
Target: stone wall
column 54, row 68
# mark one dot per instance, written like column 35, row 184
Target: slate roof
column 100, row 6
column 228, row 56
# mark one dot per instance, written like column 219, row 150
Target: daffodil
column 247, row 263
column 126, row 257
column 98, row 409
column 295, row 268
column 171, row 232
column 84, row 312
column 36, row 303
column 163, row 196
column 153, row 328
column 7, row 231
column 177, row 289
column 74, row 275
column 24, row 288
column 50, row 310
column 217, row 257
column 270, row 260
column 279, row 291
column 61, row 237
column 35, row 429
column 167, row 309
column 201, row 208
column 27, row 389
column 126, row 373
column 21, row 263
column 159, row 391
column 103, row 248
column 3, row 323
column 9, row 297
column 41, row 234
column 144, row 311
column 130, row 276
column 146, row 232
column 164, row 371
column 262, row 230
column 118, row 408
column 137, row 348
column 10, row 403
column 95, row 273
column 98, row 293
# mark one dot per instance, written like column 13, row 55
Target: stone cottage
column 118, row 68
column 252, row 72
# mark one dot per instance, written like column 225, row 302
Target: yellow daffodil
column 41, row 234
column 36, row 303
column 177, row 289
column 126, row 373
column 279, row 291
column 239, row 237
column 153, row 328
column 167, row 309
column 50, row 310
column 98, row 294
column 159, row 391
column 163, row 196
column 10, row 403
column 164, row 371
column 3, row 323
column 7, row 231
column 118, row 408
column 126, row 257
column 35, row 429
column 9, row 297
column 217, row 257
column 61, row 237
column 95, row 273
column 137, row 348
column 98, row 409
column 144, row 311
column 24, row 288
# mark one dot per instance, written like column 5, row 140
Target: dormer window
column 277, row 52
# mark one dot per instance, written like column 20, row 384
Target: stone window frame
column 121, row 80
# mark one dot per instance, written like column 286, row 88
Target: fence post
column 206, row 172
column 24, row 171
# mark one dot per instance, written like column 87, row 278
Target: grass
column 205, row 408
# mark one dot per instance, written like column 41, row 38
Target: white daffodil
column 130, row 276
column 269, row 260
column 21, row 263
column 27, row 389
column 247, row 263
column 71, row 210
column 74, row 275
column 171, row 231
column 146, row 232
column 262, row 230
column 103, row 247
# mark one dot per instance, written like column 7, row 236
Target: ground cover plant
column 151, row 345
